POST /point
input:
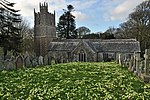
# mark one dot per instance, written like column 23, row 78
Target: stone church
column 67, row 50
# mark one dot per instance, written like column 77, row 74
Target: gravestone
column 120, row 60
column 131, row 63
column 26, row 54
column 41, row 60
column 7, row 57
column 9, row 65
column 46, row 60
column 127, row 63
column 49, row 60
column 1, row 65
column 19, row 62
column 134, row 62
column 137, row 64
column 34, row 62
column 27, row 61
column 12, row 58
column 146, row 62
column 1, row 58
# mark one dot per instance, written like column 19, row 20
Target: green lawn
column 73, row 81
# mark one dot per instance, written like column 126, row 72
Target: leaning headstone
column 27, row 61
column 19, row 62
column 46, row 60
column 41, row 60
column 9, row 65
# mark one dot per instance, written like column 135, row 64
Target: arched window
column 82, row 56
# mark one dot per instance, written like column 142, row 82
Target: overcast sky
column 97, row 15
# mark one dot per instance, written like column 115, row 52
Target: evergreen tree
column 10, row 39
column 66, row 26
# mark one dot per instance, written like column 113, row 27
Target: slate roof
column 117, row 46
column 97, row 45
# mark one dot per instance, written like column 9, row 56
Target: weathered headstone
column 124, row 63
column 7, row 57
column 130, row 63
column 46, row 60
column 1, row 65
column 41, row 60
column 19, row 62
column 1, row 58
column 137, row 64
column 34, row 62
column 125, row 60
column 12, row 58
column 134, row 62
column 26, row 54
column 9, row 65
column 120, row 62
column 127, row 63
column 49, row 60
column 27, row 61
column 146, row 56
column 142, row 66
column 61, row 59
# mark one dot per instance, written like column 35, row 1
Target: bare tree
column 83, row 31
column 27, row 34
column 138, row 25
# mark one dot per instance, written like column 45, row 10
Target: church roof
column 117, row 46
column 62, row 46
column 97, row 45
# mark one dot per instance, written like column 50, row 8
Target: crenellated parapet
column 44, row 17
column 44, row 29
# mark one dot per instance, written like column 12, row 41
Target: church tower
column 44, row 29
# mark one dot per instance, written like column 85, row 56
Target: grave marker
column 27, row 61
column 46, row 60
column 9, row 65
column 19, row 62
column 41, row 60
column 146, row 56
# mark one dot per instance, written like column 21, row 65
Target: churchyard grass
column 73, row 81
